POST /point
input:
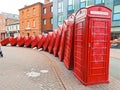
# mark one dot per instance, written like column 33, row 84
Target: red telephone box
column 68, row 52
column 28, row 41
column 51, row 45
column 42, row 41
column 5, row 41
column 13, row 41
column 62, row 41
column 57, row 40
column 35, row 41
column 20, row 41
column 45, row 46
column 92, row 44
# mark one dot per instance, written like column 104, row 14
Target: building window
column 12, row 28
column 60, row 7
column 34, row 23
column 34, row 11
column 16, row 27
column 7, row 28
column 28, row 13
column 22, row 24
column 82, row 3
column 70, row 5
column 59, row 22
column 1, row 28
column 22, row 14
column 44, row 21
column 98, row 1
column 44, row 10
column 117, row 9
column 51, row 9
column 28, row 24
column 23, row 34
column 60, row 19
column 116, row 2
column 51, row 20
column 28, row 34
column 116, row 15
column 34, row 33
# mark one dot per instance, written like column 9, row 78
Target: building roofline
column 48, row 3
column 13, row 23
column 8, row 15
column 30, row 5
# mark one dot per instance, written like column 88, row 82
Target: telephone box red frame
column 92, row 44
column 62, row 41
column 49, row 36
column 28, row 41
column 51, row 45
column 35, row 41
column 57, row 41
column 69, row 40
column 13, row 41
column 20, row 41
column 41, row 42
column 5, row 42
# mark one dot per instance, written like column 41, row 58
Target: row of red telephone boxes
column 82, row 42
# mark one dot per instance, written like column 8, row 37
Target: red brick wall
column 47, row 16
column 24, row 19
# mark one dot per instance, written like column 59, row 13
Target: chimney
column 25, row 5
column 46, row 1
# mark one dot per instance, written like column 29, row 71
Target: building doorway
column 28, row 34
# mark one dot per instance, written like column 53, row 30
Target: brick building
column 36, row 18
column 47, row 16
column 6, row 18
column 30, row 19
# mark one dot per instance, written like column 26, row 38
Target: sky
column 13, row 6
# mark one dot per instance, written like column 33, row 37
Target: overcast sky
column 12, row 6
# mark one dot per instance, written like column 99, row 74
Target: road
column 28, row 69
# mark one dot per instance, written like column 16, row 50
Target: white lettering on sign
column 99, row 12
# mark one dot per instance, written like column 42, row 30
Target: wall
column 47, row 16
column 24, row 19
column 3, row 22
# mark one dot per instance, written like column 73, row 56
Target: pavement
column 29, row 69
column 115, row 53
